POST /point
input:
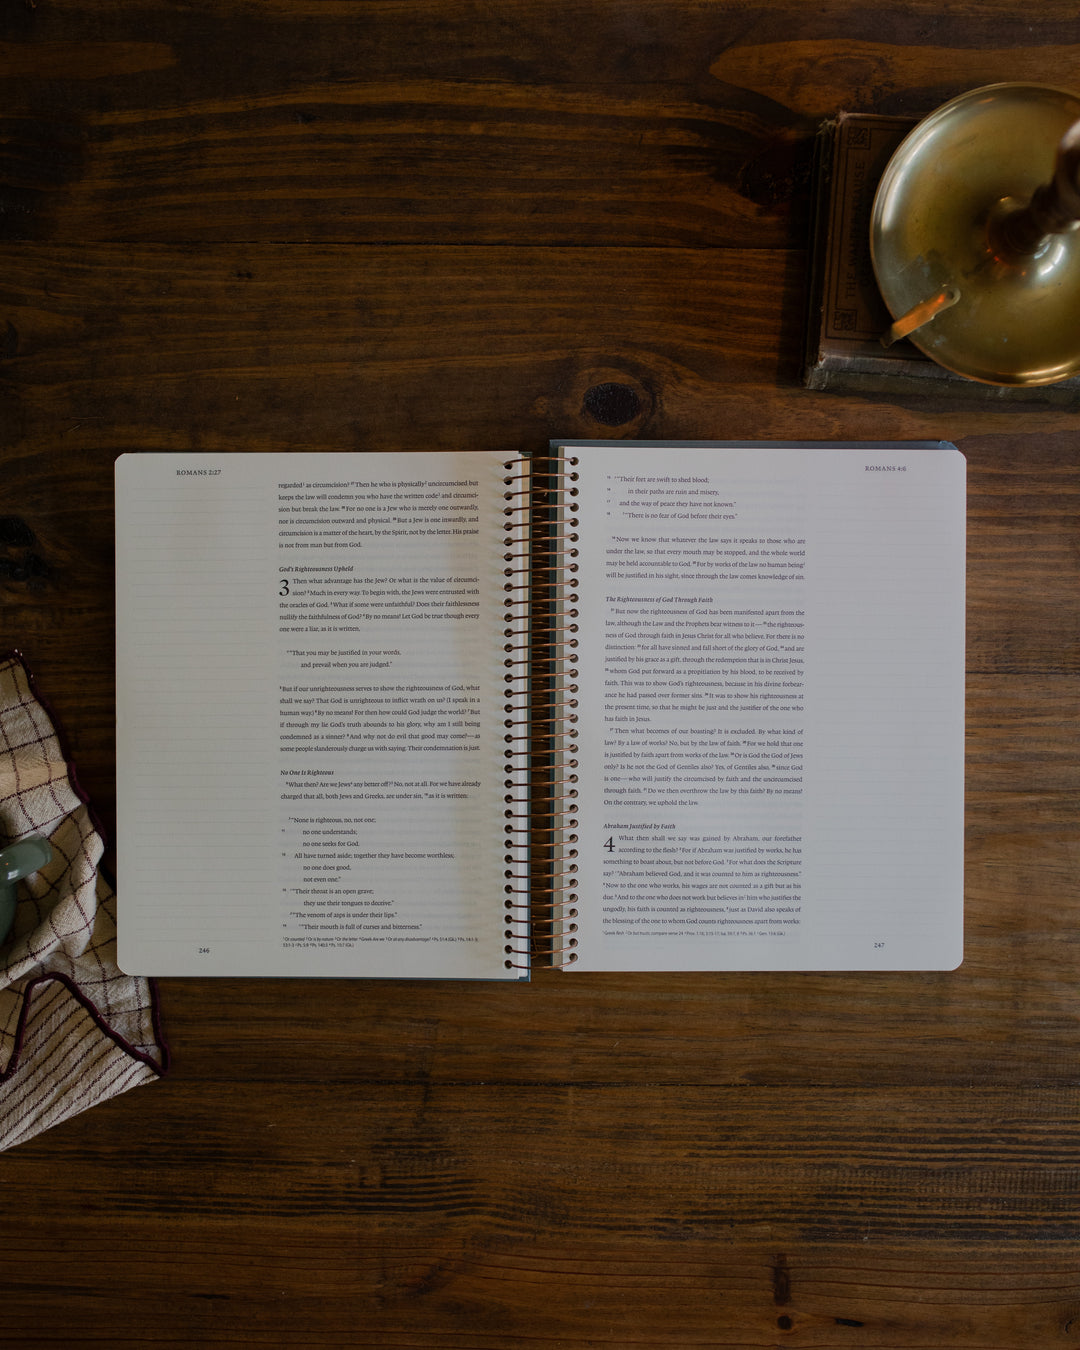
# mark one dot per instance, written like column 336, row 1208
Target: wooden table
column 348, row 225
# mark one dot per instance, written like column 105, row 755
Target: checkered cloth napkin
column 74, row 1030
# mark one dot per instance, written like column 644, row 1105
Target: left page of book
column 312, row 693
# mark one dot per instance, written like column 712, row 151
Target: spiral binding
column 555, row 646
column 516, row 839
column 540, row 597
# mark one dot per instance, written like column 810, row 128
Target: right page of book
column 771, row 707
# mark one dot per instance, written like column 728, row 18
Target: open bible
column 616, row 706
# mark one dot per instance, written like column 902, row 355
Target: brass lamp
column 974, row 235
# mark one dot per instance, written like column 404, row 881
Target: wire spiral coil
column 516, row 755
column 540, row 592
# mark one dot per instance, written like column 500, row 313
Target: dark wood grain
column 578, row 122
column 427, row 1216
column 341, row 225
column 915, row 1164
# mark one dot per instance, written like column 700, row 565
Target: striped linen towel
column 74, row 1030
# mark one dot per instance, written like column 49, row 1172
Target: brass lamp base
column 847, row 315
column 988, row 296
